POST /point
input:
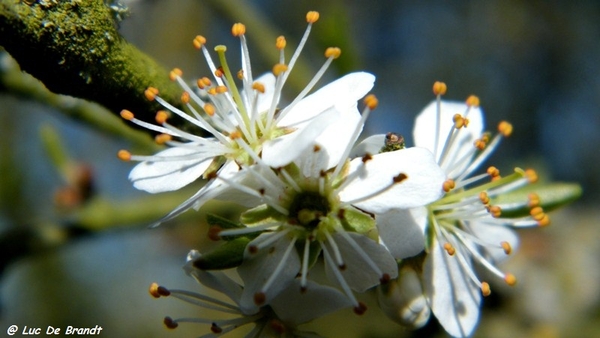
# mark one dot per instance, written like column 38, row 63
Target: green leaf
column 260, row 215
column 552, row 196
column 227, row 256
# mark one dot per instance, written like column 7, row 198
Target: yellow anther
column 203, row 82
column 506, row 247
column 240, row 74
column 449, row 249
column 259, row 87
column 505, row 128
column 544, row 221
column 161, row 116
column 484, row 198
column 312, row 16
column 448, row 185
column 534, row 200
column 185, row 97
column 333, row 52
column 124, row 155
column 439, row 88
column 535, row 211
column 472, row 101
column 151, row 93
column 162, row 138
column 280, row 42
column 459, row 121
column 510, row 279
column 279, row 68
column 154, row 290
column 495, row 211
column 209, row 109
column 238, row 29
column 235, row 134
column 485, row 289
column 371, row 101
column 127, row 115
column 175, row 73
column 531, row 175
column 199, row 41
column 212, row 91
column 219, row 72
column 479, row 144
column 221, row 89
column 493, row 171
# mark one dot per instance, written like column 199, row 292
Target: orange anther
column 203, row 82
column 458, row 120
column 124, row 155
column 185, row 97
column 472, row 101
column 544, row 221
column 209, row 109
column 280, row 42
column 154, row 290
column 371, row 101
column 175, row 73
column 127, row 115
column 493, row 171
column 506, row 247
column 495, row 211
column 312, row 16
column 151, row 93
column 238, row 29
column 259, row 87
column 439, row 88
column 219, row 72
column 162, row 138
column 161, row 116
column 484, row 198
column 485, row 289
column 221, row 89
column 534, row 200
column 531, row 175
column 505, row 128
column 240, row 74
column 279, row 68
column 333, row 52
column 479, row 144
column 448, row 185
column 536, row 211
column 199, row 41
column 449, row 249
column 510, row 279
column 235, row 134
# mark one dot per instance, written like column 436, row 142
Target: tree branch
column 74, row 48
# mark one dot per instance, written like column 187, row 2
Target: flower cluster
column 328, row 218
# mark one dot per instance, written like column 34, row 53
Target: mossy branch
column 74, row 48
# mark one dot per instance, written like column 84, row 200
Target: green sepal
column 214, row 166
column 224, row 223
column 260, row 215
column 227, row 256
column 358, row 221
column 552, row 196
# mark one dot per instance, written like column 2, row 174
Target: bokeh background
column 533, row 63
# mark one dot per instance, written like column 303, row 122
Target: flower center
column 307, row 208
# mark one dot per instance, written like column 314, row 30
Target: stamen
column 449, row 249
column 333, row 52
column 495, row 211
column 199, row 41
column 472, row 101
column 170, row 323
column 493, row 172
column 485, row 289
column 157, row 291
column 484, row 198
column 279, row 69
column 238, row 29
column 162, row 138
column 304, row 270
column 506, row 246
column 505, row 128
column 510, row 279
column 124, row 155
column 342, row 280
column 395, row 180
column 448, row 185
column 360, row 309
column 533, row 200
column 439, row 88
column 151, row 93
column 336, row 251
column 531, row 175
column 312, row 17
column 203, row 82
column 278, row 269
column 175, row 73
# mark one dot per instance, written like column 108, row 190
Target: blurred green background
column 533, row 63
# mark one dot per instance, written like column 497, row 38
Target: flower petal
column 169, row 175
column 454, row 297
column 283, row 150
column 371, row 145
column 425, row 130
column 312, row 302
column 264, row 100
column 402, row 231
column 358, row 273
column 494, row 234
column 257, row 268
column 422, row 185
column 351, row 87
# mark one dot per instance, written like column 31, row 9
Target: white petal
column 161, row 176
column 358, row 273
column 336, row 137
column 402, row 231
column 265, row 99
column 494, row 234
column 283, row 150
column 350, row 87
column 314, row 302
column 454, row 298
column 422, row 185
column 403, row 301
column 312, row 162
column 258, row 268
column 425, row 129
column 371, row 145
